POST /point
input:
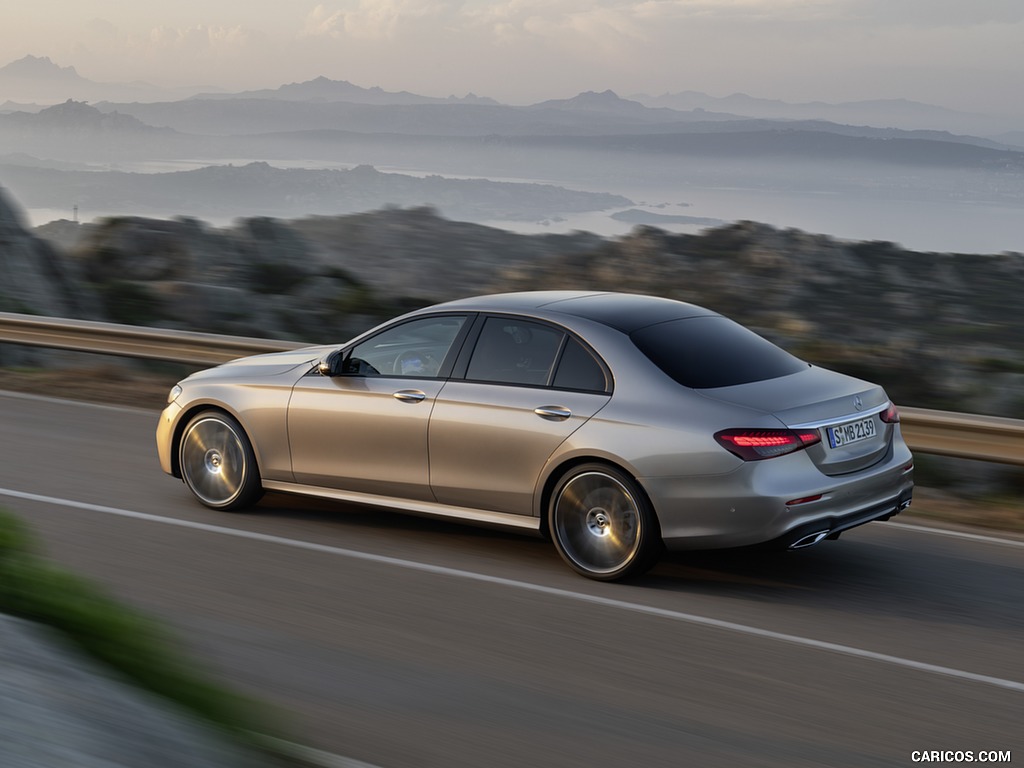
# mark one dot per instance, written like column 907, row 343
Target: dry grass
column 113, row 384
column 1003, row 514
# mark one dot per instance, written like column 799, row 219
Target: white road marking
column 955, row 534
column 310, row 756
column 605, row 602
column 154, row 412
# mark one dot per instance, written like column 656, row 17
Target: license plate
column 851, row 432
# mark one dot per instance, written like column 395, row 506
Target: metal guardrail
column 132, row 341
column 961, row 435
column 964, row 435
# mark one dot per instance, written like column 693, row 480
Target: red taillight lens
column 757, row 444
column 890, row 415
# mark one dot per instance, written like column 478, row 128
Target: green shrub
column 123, row 639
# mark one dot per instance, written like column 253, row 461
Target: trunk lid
column 844, row 410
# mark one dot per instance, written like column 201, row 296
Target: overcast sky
column 966, row 54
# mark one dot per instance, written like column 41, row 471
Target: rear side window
column 709, row 352
column 578, row 369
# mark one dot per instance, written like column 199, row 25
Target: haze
column 960, row 55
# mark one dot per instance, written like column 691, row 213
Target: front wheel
column 218, row 463
column 602, row 524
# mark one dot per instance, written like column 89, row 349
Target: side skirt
column 426, row 508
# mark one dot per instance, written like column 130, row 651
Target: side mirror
column 327, row 365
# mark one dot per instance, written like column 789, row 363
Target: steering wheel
column 414, row 363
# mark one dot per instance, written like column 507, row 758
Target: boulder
column 60, row 709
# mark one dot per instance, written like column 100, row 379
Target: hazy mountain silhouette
column 587, row 114
column 77, row 117
column 39, row 68
column 608, row 102
column 894, row 113
column 261, row 189
column 723, row 156
column 38, row 80
column 325, row 89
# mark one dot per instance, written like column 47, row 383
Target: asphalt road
column 401, row 641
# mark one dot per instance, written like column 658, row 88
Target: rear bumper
column 753, row 505
column 830, row 527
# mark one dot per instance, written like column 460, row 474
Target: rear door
column 527, row 386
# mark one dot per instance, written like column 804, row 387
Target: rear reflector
column 804, row 500
column 757, row 444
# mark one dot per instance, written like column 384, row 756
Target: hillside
column 303, row 148
column 938, row 330
column 227, row 191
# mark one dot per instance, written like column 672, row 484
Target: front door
column 364, row 429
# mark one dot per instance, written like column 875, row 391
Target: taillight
column 757, row 444
column 890, row 415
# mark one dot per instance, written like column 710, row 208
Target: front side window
column 513, row 351
column 416, row 349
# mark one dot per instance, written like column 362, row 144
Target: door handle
column 553, row 412
column 409, row 395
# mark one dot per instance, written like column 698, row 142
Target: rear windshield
column 709, row 352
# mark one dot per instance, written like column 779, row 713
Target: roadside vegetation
column 127, row 642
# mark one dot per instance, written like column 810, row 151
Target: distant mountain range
column 39, row 68
column 228, row 191
column 591, row 122
column 324, row 89
column 884, row 113
column 732, row 152
column 34, row 80
column 38, row 80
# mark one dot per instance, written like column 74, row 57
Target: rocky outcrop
column 418, row 254
column 37, row 278
column 937, row 329
column 34, row 276
column 260, row 278
column 59, row 708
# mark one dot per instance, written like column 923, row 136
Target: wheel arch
column 558, row 471
column 186, row 416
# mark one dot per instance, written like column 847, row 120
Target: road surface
column 401, row 641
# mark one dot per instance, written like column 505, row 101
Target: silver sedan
column 616, row 424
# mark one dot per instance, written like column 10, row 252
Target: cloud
column 198, row 39
column 372, row 19
column 528, row 50
column 923, row 14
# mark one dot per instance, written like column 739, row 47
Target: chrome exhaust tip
column 809, row 540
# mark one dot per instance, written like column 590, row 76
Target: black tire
column 218, row 463
column 602, row 524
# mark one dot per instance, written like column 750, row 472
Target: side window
column 512, row 351
column 577, row 369
column 415, row 349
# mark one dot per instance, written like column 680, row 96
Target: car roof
column 626, row 312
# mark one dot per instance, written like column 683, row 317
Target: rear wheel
column 218, row 463
column 602, row 524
